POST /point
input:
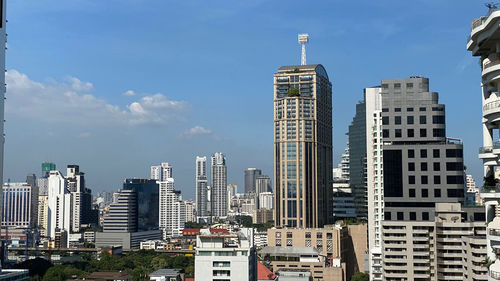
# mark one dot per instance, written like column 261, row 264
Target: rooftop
column 170, row 272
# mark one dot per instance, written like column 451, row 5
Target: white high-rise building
column 161, row 172
column 59, row 204
column 81, row 197
column 375, row 182
column 172, row 210
column 190, row 210
column 218, row 185
column 17, row 205
column 266, row 200
column 201, row 183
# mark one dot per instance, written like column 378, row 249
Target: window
column 423, row 153
column 423, row 166
column 411, row 192
column 385, row 120
column 437, row 166
column 454, row 166
column 424, row 180
column 411, row 166
column 411, row 153
column 409, row 120
column 425, row 193
column 437, row 179
column 438, row 119
column 454, row 153
column 425, row 216
column 397, row 120
column 385, row 86
column 409, row 85
column 423, row 133
column 401, row 216
column 435, row 153
column 422, row 109
column 409, row 109
column 385, row 133
column 411, row 179
column 438, row 133
column 410, row 133
column 288, row 235
column 319, row 235
column 308, row 234
column 385, row 109
column 397, row 85
column 413, row 216
column 423, row 119
column 387, row 216
column 397, row 109
column 397, row 133
column 454, row 180
column 437, row 192
column 455, row 193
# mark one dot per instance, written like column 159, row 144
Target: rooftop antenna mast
column 303, row 40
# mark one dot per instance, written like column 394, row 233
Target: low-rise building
column 262, row 216
column 166, row 274
column 227, row 256
column 304, row 259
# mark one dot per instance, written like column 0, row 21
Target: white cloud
column 68, row 102
column 78, row 85
column 129, row 93
column 195, row 131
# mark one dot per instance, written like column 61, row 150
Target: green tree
column 62, row 273
column 293, row 92
column 360, row 276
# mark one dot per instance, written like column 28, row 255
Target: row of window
column 437, row 179
column 410, row 109
column 319, row 235
column 436, row 119
column 450, row 166
column 450, row 153
column 410, row 133
column 401, row 217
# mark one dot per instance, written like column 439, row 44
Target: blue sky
column 117, row 86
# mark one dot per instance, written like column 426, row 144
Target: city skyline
column 119, row 110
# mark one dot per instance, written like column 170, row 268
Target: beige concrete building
column 262, row 216
column 344, row 245
column 449, row 248
column 305, row 258
column 303, row 146
column 43, row 214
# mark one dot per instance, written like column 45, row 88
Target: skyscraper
column 122, row 215
column 147, row 202
column 218, row 186
column 411, row 167
column 201, row 187
column 302, row 146
column 81, row 198
column 357, row 161
column 59, row 204
column 17, row 205
column 251, row 175
column 161, row 172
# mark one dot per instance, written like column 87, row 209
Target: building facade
column 229, row 257
column 59, row 204
column 147, row 202
column 17, row 205
column 201, row 182
column 251, row 175
column 218, row 186
column 302, row 146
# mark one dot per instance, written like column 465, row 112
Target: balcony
column 493, row 106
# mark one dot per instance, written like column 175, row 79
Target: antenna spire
column 303, row 40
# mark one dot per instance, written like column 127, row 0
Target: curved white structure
column 484, row 42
